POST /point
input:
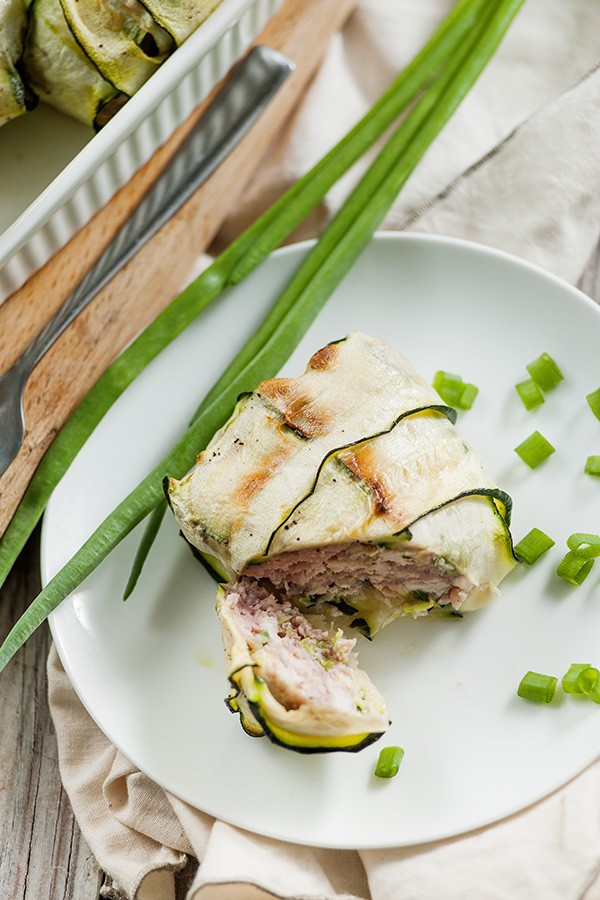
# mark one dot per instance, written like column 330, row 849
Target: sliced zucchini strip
column 59, row 71
column 120, row 37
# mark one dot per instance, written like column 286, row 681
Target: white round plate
column 150, row 671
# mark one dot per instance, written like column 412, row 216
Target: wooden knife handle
column 301, row 29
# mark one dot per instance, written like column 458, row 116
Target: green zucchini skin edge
column 202, row 559
column 321, row 748
column 494, row 494
column 231, row 702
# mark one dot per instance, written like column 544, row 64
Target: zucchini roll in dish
column 331, row 504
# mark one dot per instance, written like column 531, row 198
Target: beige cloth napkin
column 518, row 168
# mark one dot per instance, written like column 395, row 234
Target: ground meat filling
column 299, row 661
column 343, row 570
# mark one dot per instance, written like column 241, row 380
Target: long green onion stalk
column 314, row 281
column 234, row 264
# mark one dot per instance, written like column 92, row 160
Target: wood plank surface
column 301, row 30
column 42, row 853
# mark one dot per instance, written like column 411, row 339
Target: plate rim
column 299, row 247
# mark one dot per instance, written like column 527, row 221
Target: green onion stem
column 313, row 283
column 404, row 89
column 237, row 261
column 457, row 26
column 153, row 523
column 353, row 226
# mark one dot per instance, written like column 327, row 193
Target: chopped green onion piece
column 592, row 465
column 574, row 568
column 389, row 762
column 467, row 398
column 540, row 688
column 570, row 681
column 449, row 386
column 545, row 372
column 453, row 390
column 530, row 393
column 532, row 546
column 584, row 545
column 589, row 683
column 594, row 401
column 534, row 449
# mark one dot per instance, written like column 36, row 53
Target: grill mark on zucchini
column 295, row 410
column 447, row 411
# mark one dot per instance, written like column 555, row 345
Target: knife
column 233, row 111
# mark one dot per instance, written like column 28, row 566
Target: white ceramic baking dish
column 55, row 173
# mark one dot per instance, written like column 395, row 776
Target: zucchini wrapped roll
column 86, row 58
column 59, row 71
column 349, row 493
column 15, row 97
column 120, row 37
